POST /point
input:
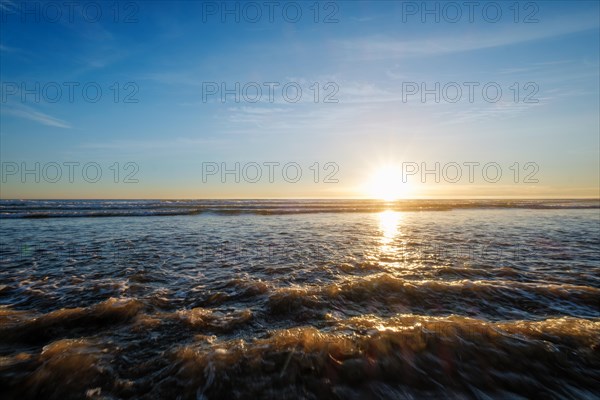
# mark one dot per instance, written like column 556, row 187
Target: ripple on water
column 243, row 304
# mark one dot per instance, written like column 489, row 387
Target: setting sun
column 386, row 184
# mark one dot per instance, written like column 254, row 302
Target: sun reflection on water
column 389, row 224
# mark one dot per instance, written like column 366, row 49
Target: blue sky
column 168, row 51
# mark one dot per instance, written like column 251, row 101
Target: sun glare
column 389, row 223
column 386, row 184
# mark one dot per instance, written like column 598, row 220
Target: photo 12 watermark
column 469, row 255
column 269, row 172
column 453, row 92
column 471, row 12
column 467, row 172
column 68, row 12
column 253, row 12
column 269, row 92
column 69, row 172
column 71, row 92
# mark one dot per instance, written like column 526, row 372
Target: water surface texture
column 299, row 299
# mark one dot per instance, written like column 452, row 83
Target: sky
column 346, row 99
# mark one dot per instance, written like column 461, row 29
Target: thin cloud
column 7, row 5
column 8, row 49
column 385, row 47
column 36, row 116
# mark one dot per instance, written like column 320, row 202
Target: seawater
column 299, row 299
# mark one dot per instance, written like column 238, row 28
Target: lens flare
column 386, row 184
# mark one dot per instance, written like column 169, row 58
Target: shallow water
column 261, row 299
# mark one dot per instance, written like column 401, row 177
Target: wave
column 138, row 208
column 494, row 298
column 407, row 355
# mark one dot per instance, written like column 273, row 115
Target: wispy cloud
column 185, row 78
column 8, row 49
column 386, row 47
column 26, row 112
column 486, row 112
column 7, row 5
column 143, row 147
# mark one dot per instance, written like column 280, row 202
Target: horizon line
column 306, row 198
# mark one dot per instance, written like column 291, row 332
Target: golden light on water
column 389, row 223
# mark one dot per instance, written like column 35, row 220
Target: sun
column 386, row 184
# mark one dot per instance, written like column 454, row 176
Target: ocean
column 308, row 299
